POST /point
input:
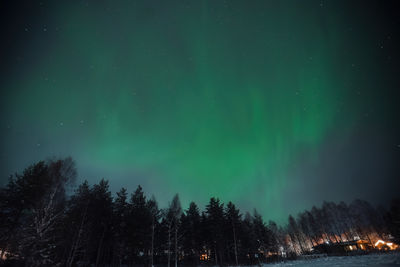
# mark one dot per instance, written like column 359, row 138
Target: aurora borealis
column 277, row 105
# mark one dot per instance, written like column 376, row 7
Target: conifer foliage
column 46, row 222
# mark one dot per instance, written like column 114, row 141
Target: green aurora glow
column 204, row 98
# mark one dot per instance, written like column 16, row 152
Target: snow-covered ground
column 364, row 260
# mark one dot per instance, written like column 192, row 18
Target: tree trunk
column 234, row 242
column 216, row 259
column 169, row 245
column 369, row 239
column 311, row 241
column 300, row 240
column 100, row 247
column 75, row 245
column 152, row 245
column 176, row 246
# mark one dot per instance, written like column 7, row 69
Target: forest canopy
column 42, row 225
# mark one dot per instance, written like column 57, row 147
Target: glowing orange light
column 379, row 242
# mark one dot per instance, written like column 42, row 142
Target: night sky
column 277, row 105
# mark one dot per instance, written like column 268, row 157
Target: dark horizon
column 76, row 183
column 41, row 226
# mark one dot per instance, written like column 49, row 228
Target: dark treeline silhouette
column 42, row 225
column 340, row 223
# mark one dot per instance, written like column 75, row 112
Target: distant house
column 354, row 246
column 344, row 247
column 382, row 245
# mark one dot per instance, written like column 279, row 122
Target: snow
column 392, row 259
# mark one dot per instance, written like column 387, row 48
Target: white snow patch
column 392, row 259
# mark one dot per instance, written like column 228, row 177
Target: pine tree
column 155, row 217
column 101, row 218
column 249, row 244
column 234, row 218
column 262, row 235
column 139, row 226
column 191, row 231
column 120, row 223
column 274, row 241
column 215, row 224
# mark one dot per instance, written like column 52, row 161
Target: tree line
column 336, row 223
column 42, row 225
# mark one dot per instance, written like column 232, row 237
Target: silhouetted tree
column 34, row 210
column 139, row 226
column 41, row 226
column 77, row 225
column 394, row 219
column 215, row 226
column 120, row 226
column 234, row 220
column 173, row 215
column 295, row 234
column 155, row 215
column 191, row 230
column 101, row 211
